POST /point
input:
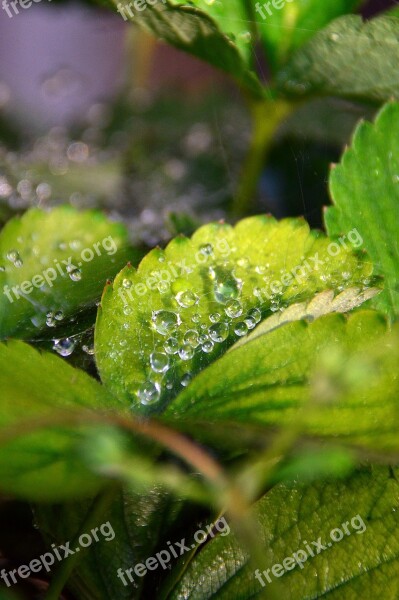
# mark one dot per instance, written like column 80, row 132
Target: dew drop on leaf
column 149, row 393
column 64, row 347
column 186, row 299
column 165, row 321
column 159, row 362
column 219, row 332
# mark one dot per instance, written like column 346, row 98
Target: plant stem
column 96, row 511
column 266, row 117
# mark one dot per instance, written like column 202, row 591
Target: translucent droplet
column 75, row 274
column 207, row 347
column 243, row 263
column 186, row 352
column 260, row 269
column 203, row 338
column 165, row 321
column 88, row 349
column 206, row 249
column 255, row 314
column 226, row 287
column 159, row 362
column 233, row 309
column 171, row 346
column 185, row 380
column 127, row 310
column 250, row 322
column 241, row 329
column 346, row 275
column 163, row 287
column 14, row 257
column 219, row 332
column 126, row 283
column 59, row 315
column 64, row 347
column 196, row 318
column 214, row 317
column 186, row 299
column 191, row 338
column 149, row 393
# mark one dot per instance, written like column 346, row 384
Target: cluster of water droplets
column 184, row 336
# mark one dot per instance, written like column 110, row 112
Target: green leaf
column 365, row 510
column 45, row 465
column 285, row 29
column 138, row 521
column 216, row 32
column 365, row 191
column 324, row 379
column 55, row 262
column 184, row 306
column 349, row 58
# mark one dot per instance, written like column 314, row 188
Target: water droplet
column 250, row 322
column 171, row 346
column 165, row 322
column 260, row 269
column 88, row 349
column 159, row 362
column 163, row 287
column 219, row 332
column 126, row 283
column 59, row 315
column 207, row 347
column 14, row 257
column 214, row 317
column 346, row 275
column 75, row 274
column 334, row 37
column 191, row 338
column 241, row 329
column 64, row 347
column 255, row 314
column 245, row 37
column 203, row 338
column 185, row 380
column 196, row 318
column 243, row 263
column 149, row 393
column 127, row 310
column 206, row 249
column 233, row 309
column 226, row 287
column 187, row 299
column 186, row 352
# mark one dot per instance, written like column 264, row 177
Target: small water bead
column 203, row 338
column 260, row 269
column 250, row 322
column 226, row 288
column 196, row 318
column 191, row 338
column 334, row 37
column 214, row 317
column 126, row 283
column 64, row 347
column 185, row 380
column 207, row 347
column 233, row 309
column 241, row 329
column 274, row 306
column 75, row 274
column 206, row 249
column 123, row 343
column 346, row 275
column 59, row 315
column 50, row 320
column 165, row 321
column 159, row 362
column 14, row 257
column 163, row 287
column 187, row 299
column 127, row 310
column 171, row 346
column 219, row 332
column 88, row 349
column 186, row 352
column 149, row 393
column 255, row 314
